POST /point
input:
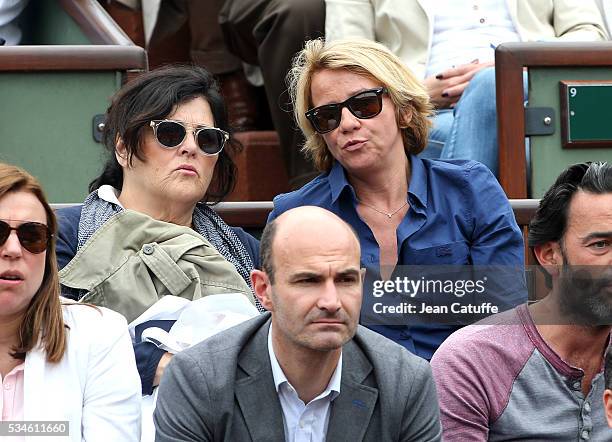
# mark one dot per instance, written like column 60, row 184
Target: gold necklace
column 388, row 214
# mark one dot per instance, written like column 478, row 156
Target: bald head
column 303, row 230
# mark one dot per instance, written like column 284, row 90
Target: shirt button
column 482, row 20
column 301, row 424
column 587, row 407
column 7, row 386
column 576, row 385
column 147, row 249
column 585, row 434
column 475, row 7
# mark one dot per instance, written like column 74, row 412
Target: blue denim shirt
column 458, row 215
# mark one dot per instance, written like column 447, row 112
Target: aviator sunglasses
column 171, row 134
column 34, row 237
column 366, row 104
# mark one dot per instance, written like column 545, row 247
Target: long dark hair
column 153, row 96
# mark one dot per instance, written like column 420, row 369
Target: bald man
column 305, row 370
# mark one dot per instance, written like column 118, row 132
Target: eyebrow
column 306, row 274
column 302, row 275
column 597, row 235
column 349, row 272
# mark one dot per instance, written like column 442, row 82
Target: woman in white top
column 67, row 363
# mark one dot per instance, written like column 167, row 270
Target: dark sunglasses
column 366, row 104
column 34, row 237
column 171, row 134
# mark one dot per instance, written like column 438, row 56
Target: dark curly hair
column 153, row 96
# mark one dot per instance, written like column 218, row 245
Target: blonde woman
column 365, row 118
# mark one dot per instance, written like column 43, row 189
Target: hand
column 159, row 371
column 446, row 88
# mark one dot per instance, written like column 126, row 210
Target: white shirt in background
column 467, row 30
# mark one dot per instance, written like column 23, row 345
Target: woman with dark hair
column 147, row 221
column 58, row 361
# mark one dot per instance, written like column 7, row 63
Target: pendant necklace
column 387, row 214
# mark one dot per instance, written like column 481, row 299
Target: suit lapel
column 255, row 392
column 352, row 409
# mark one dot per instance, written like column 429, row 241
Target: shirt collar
column 337, row 181
column 418, row 181
column 14, row 371
column 332, row 389
column 109, row 194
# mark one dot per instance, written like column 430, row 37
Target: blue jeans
column 442, row 123
column 469, row 131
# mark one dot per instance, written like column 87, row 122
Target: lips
column 187, row 168
column 353, row 144
column 11, row 276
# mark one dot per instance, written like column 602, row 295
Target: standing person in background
column 450, row 44
column 59, row 362
column 268, row 33
column 365, row 119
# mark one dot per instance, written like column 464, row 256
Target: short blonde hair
column 372, row 60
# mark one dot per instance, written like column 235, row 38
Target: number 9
column 573, row 91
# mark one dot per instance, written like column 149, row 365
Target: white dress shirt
column 303, row 422
column 468, row 30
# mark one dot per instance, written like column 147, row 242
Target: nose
column 348, row 121
column 189, row 146
column 329, row 298
column 11, row 249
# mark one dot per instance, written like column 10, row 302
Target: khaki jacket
column 406, row 27
column 133, row 260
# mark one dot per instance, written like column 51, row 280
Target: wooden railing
column 72, row 58
column 110, row 49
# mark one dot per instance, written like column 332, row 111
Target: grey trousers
column 269, row 33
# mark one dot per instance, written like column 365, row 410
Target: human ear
column 404, row 117
column 607, row 399
column 121, row 153
column 549, row 256
column 262, row 288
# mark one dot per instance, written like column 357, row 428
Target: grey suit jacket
column 222, row 390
